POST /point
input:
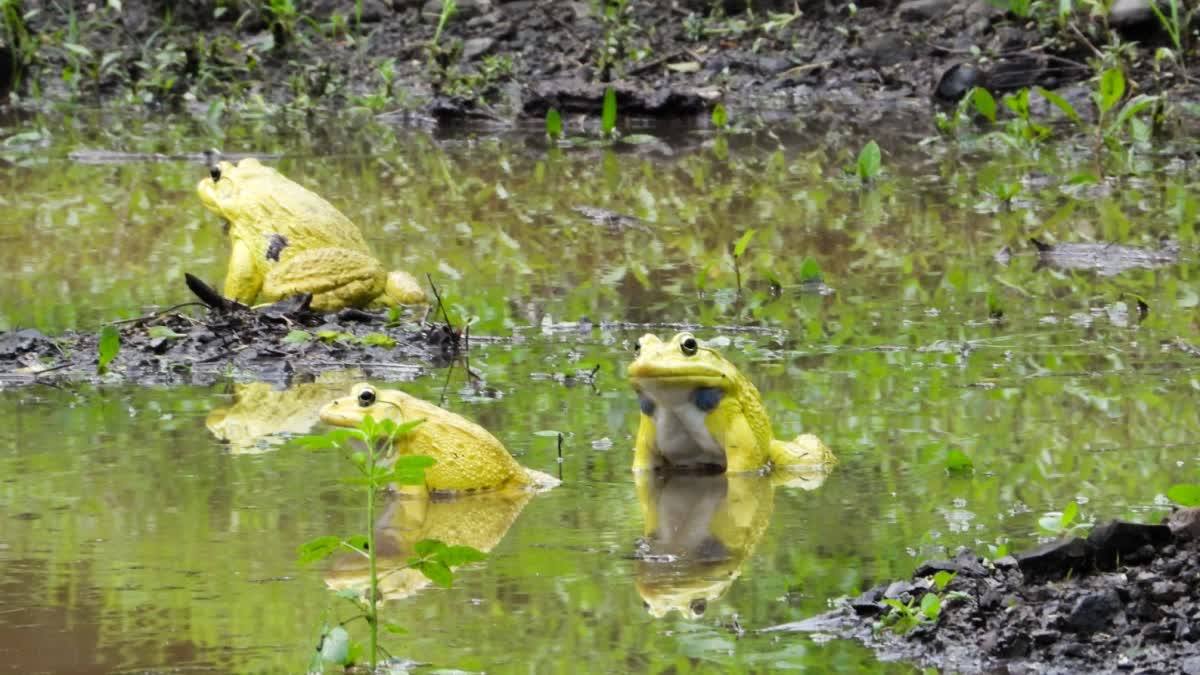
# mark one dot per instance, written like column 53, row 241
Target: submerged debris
column 1107, row 259
column 1126, row 598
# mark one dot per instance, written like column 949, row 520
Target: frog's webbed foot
column 336, row 277
column 804, row 462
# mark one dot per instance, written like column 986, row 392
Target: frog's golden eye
column 689, row 346
column 366, row 397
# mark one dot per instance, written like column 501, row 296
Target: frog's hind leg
column 804, row 462
column 336, row 277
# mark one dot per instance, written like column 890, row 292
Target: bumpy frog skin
column 699, row 413
column 468, row 457
column 699, row 532
column 287, row 240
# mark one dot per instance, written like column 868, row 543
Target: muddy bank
column 500, row 59
column 198, row 345
column 1125, row 599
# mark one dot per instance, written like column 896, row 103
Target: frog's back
column 273, row 203
column 469, row 458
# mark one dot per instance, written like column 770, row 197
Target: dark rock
column 867, row 604
column 1055, row 559
column 1116, row 540
column 1167, row 592
column 1093, row 611
column 1007, row 645
column 965, row 563
column 924, row 10
column 1130, row 13
column 887, row 49
column 1007, row 562
column 577, row 95
column 467, row 9
column 1045, row 637
column 957, row 80
column 898, row 589
column 1184, row 523
column 16, row 343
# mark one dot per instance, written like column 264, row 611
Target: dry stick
column 155, row 315
column 439, row 300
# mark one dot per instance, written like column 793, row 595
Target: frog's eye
column 698, row 606
column 689, row 346
column 366, row 397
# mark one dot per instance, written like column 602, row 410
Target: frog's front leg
column 336, row 277
column 244, row 279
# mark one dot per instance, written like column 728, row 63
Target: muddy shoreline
column 497, row 61
column 1125, row 599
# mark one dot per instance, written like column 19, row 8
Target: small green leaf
column 358, row 541
column 810, row 270
column 78, row 50
column 110, row 344
column 335, row 646
column 740, row 247
column 163, row 332
column 316, row 549
column 1133, row 107
column 942, row 578
column 957, row 461
column 1184, row 495
column 394, row 628
column 870, row 160
column 984, row 103
column 437, row 572
column 719, row 117
column 554, row 124
column 298, row 336
column 1070, row 514
column 608, row 118
column 1060, row 103
column 931, row 606
column 428, row 547
column 1112, row 88
column 378, row 340
column 453, row 556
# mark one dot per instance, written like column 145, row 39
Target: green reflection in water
column 131, row 535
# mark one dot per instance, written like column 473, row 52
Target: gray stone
column 1190, row 665
column 1094, row 611
column 1126, row 13
column 924, row 10
column 477, row 47
column 1055, row 559
column 1185, row 523
column 467, row 9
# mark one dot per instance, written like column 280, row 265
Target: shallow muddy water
column 132, row 537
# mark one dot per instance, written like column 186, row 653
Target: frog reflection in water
column 476, row 520
column 469, row 459
column 262, row 417
column 287, row 240
column 700, row 414
column 699, row 531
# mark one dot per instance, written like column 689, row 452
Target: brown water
column 132, row 538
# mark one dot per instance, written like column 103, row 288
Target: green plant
column 110, row 344
column 1176, row 26
column 957, row 462
column 554, row 124
column 14, row 31
column 739, row 249
column 1184, row 495
column 1063, row 523
column 613, row 48
column 870, row 162
column 379, row 467
column 608, row 113
column 284, row 19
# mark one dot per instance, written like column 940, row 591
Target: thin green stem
column 373, row 615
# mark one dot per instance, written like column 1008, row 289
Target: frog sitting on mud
column 699, row 413
column 287, row 240
column 468, row 457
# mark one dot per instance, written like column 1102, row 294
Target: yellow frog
column 288, row 240
column 468, row 457
column 699, row 413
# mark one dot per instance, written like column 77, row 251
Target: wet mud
column 1124, row 600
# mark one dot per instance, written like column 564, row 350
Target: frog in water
column 287, row 240
column 699, row 413
column 468, row 457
